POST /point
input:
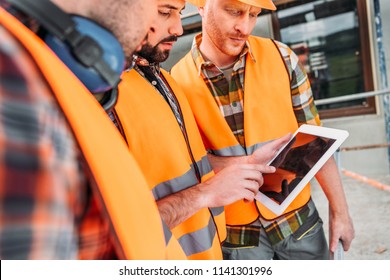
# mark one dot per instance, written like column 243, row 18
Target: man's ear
column 201, row 11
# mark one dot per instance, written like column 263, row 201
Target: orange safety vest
column 167, row 160
column 268, row 114
column 119, row 181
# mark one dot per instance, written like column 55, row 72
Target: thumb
column 265, row 153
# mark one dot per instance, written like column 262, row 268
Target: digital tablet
column 297, row 163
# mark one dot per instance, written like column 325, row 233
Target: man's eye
column 164, row 14
column 234, row 12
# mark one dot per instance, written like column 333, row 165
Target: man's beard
column 153, row 54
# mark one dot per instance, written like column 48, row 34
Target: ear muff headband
column 90, row 51
column 98, row 66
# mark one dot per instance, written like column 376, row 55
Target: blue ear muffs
column 90, row 51
column 84, row 59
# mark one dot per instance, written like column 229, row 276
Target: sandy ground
column 370, row 211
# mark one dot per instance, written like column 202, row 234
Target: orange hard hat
column 265, row 4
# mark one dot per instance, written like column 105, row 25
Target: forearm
column 231, row 184
column 178, row 207
column 329, row 179
column 341, row 226
column 237, row 178
column 219, row 162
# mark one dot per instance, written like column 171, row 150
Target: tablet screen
column 293, row 163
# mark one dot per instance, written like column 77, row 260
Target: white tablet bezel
column 338, row 135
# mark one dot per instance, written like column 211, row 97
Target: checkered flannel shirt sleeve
column 42, row 188
column 302, row 97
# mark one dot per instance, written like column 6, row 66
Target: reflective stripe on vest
column 174, row 249
column 190, row 242
column 261, row 113
column 158, row 144
column 120, row 183
column 180, row 183
column 237, row 150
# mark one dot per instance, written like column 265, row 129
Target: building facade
column 344, row 46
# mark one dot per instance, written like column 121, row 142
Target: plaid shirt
column 229, row 96
column 151, row 72
column 46, row 210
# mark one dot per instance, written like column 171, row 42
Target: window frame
column 369, row 105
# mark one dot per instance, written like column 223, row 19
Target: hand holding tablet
column 297, row 163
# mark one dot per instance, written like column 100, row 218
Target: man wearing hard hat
column 245, row 91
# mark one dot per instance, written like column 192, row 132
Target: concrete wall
column 363, row 130
column 371, row 129
column 385, row 11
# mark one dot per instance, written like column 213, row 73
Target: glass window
column 327, row 37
